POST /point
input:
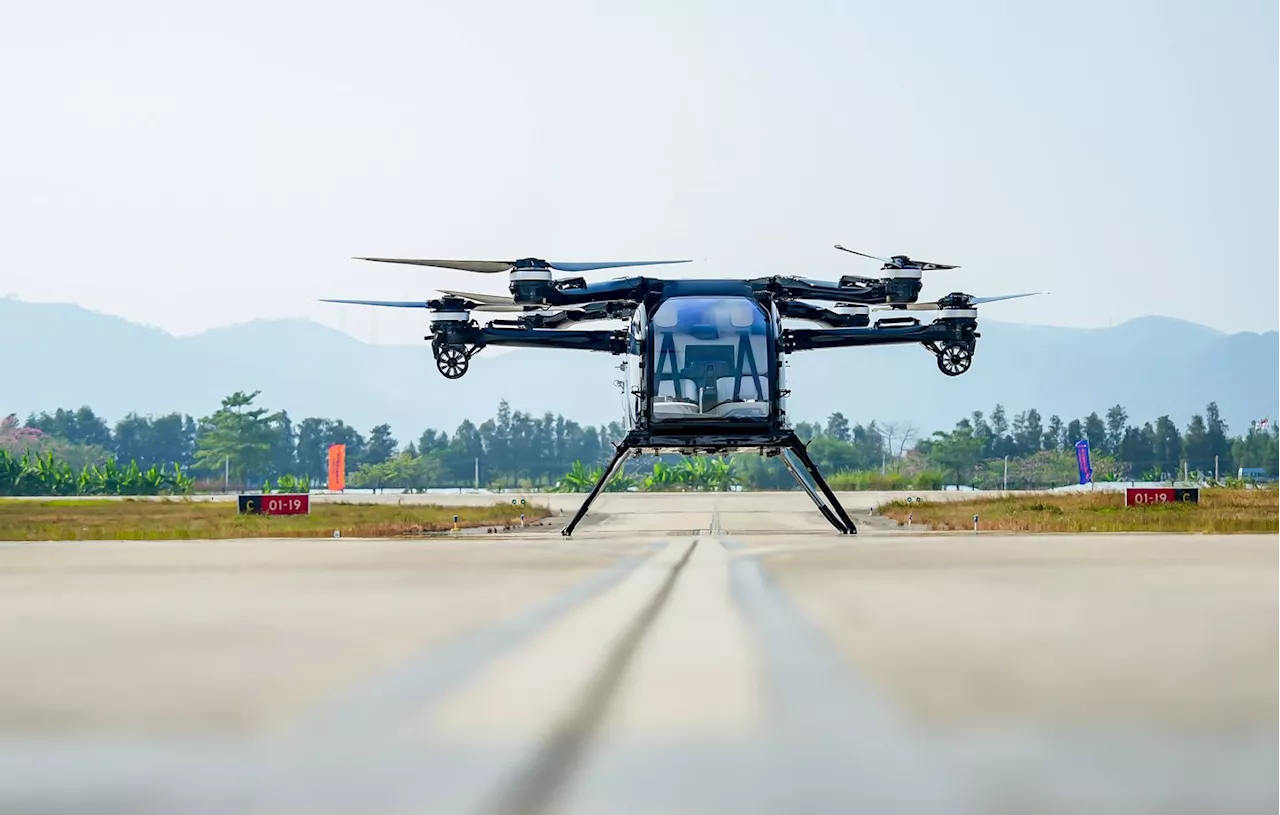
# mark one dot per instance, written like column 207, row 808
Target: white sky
column 194, row 165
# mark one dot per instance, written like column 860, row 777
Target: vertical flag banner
column 1082, row 459
column 337, row 467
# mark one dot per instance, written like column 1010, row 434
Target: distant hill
column 58, row 355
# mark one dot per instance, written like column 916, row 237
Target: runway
column 680, row 654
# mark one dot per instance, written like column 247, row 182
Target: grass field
column 176, row 519
column 1220, row 510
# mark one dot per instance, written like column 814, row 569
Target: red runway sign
column 1152, row 496
column 284, row 504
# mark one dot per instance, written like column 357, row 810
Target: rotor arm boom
column 938, row 332
column 613, row 342
column 802, row 289
column 629, row 289
column 798, row 310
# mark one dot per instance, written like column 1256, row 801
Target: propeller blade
column 872, row 257
column 476, row 297
column 499, row 308
column 388, row 303
column 611, row 264
column 498, row 266
column 976, row 300
column 926, row 266
column 972, row 301
column 482, row 266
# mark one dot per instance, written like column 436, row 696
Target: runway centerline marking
column 535, row 788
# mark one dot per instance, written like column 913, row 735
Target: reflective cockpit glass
column 710, row 359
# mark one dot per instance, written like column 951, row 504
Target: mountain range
column 62, row 355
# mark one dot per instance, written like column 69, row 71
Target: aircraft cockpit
column 710, row 360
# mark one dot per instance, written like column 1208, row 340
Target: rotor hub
column 531, row 263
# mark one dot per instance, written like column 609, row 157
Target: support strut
column 831, row 509
column 620, row 456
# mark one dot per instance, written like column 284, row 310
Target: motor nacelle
column 904, row 288
column 448, row 310
column 531, row 282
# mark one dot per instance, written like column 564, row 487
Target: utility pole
column 1215, row 469
column 1006, row 473
column 226, row 474
column 477, row 474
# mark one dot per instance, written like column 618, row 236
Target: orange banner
column 337, row 467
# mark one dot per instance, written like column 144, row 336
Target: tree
column 165, row 440
column 1137, row 451
column 283, row 451
column 957, row 452
column 381, row 446
column 237, row 438
column 80, row 426
column 808, row 431
column 1028, row 432
column 311, row 452
column 900, row 432
column 1195, row 445
column 1095, row 432
column 1117, row 423
column 1053, row 434
column 1216, row 429
column 838, row 427
column 1074, row 433
column 1167, row 446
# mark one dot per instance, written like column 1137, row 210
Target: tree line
column 1120, row 451
column 241, row 445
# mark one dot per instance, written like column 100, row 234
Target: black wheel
column 452, row 362
column 954, row 360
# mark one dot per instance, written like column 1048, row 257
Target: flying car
column 704, row 357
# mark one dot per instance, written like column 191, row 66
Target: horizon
column 370, row 383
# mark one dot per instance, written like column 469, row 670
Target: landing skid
column 834, row 513
column 620, row 456
column 789, row 448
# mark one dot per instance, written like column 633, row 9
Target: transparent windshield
column 710, row 359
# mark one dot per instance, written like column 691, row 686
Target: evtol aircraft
column 704, row 357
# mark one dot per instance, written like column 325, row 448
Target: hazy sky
column 194, row 165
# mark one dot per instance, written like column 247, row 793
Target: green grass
column 178, row 519
column 1220, row 510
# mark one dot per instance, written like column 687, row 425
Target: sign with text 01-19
column 283, row 504
column 1150, row 496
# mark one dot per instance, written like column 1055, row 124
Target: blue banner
column 1082, row 458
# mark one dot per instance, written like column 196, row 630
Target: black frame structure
column 542, row 308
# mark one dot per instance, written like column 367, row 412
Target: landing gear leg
column 831, row 509
column 620, row 457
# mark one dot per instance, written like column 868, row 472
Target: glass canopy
column 710, row 359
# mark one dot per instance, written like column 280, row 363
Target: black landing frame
column 787, row 445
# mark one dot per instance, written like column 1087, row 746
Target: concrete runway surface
column 680, row 654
